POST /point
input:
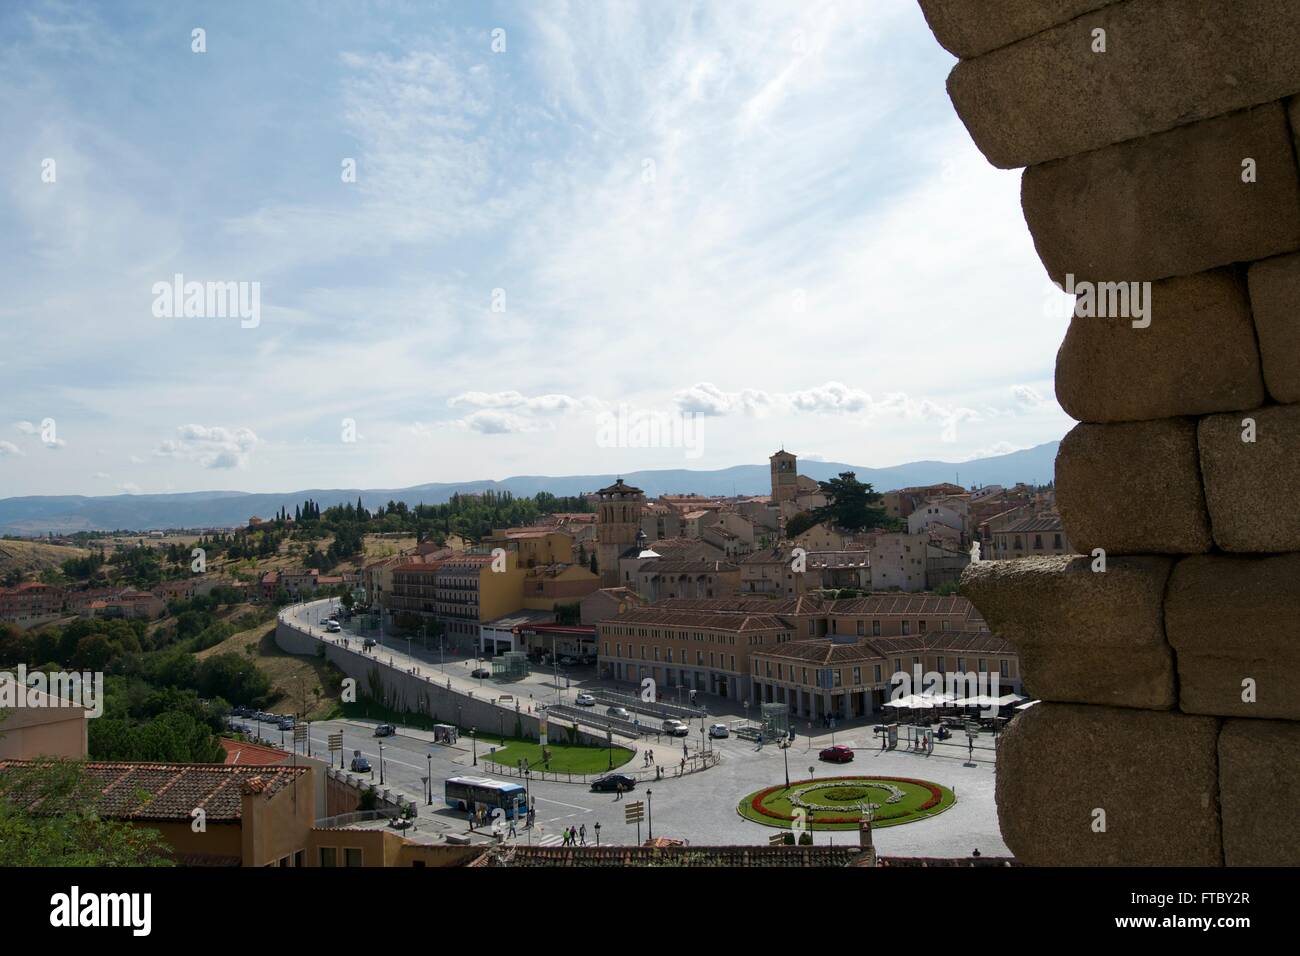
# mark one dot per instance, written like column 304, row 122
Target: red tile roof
column 245, row 754
column 172, row 791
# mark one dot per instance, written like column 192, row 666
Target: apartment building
column 900, row 615
column 898, row 561
column 660, row 578
column 31, row 603
column 688, row 649
column 536, row 547
column 818, row 679
column 1035, row 535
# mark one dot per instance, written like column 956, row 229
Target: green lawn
column 848, row 794
column 565, row 758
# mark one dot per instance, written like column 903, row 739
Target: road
column 699, row 807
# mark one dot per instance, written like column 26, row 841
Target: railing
column 654, row 709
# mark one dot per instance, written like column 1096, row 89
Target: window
column 657, row 654
column 670, row 655
column 733, row 662
column 862, row 628
column 857, row 676
column 838, row 678
column 618, row 650
column 1004, row 668
column 804, row 678
column 921, row 625
column 835, row 625
column 812, row 626
column 769, row 668
column 942, row 670
column 983, row 666
column 898, row 665
column 1018, row 546
column 352, row 856
column 1056, row 542
column 299, row 858
column 961, row 664
column 875, row 628
column 877, row 673
column 1038, row 542
column 907, row 627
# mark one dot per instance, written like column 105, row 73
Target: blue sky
column 763, row 214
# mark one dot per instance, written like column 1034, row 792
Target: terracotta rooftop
column 171, row 791
column 910, row 604
column 966, row 641
column 245, row 754
column 805, row 604
column 655, row 616
column 822, row 652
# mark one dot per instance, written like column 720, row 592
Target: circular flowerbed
column 841, row 803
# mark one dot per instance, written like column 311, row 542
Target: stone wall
column 1159, row 143
column 424, row 693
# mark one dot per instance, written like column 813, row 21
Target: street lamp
column 429, row 760
column 650, row 811
column 473, row 743
column 381, row 763
column 597, row 833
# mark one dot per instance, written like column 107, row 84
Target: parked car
column 837, row 754
column 359, row 763
column 333, row 627
column 611, row 782
column 240, row 711
column 481, row 672
column 719, row 730
column 676, row 728
column 619, row 713
column 285, row 723
column 585, row 700
column 385, row 730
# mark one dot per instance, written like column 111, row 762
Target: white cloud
column 102, row 475
column 27, row 428
column 210, row 446
column 9, row 449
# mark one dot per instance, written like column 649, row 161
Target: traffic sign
column 335, row 742
column 634, row 812
column 776, row 839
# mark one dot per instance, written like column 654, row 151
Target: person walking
column 512, row 827
column 618, row 790
column 582, row 834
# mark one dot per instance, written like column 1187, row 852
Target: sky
column 453, row 241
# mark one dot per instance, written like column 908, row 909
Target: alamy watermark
column 631, row 428
column 960, row 685
column 55, row 689
column 208, row 300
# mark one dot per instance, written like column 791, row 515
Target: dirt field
column 34, row 556
column 306, row 684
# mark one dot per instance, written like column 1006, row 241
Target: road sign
column 634, row 812
column 335, row 742
column 776, row 839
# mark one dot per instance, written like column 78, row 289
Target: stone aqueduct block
column 1132, row 488
column 1275, row 300
column 1082, row 636
column 967, row 28
column 1259, row 773
column 1168, row 205
column 1154, row 775
column 1167, row 63
column 1252, row 488
column 1197, row 356
column 1231, row 620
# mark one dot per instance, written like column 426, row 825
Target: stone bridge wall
column 1159, row 143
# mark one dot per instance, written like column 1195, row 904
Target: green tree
column 850, row 504
column 49, row 817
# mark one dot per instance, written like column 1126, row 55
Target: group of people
column 575, row 836
column 649, row 760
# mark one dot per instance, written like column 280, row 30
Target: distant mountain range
column 61, row 514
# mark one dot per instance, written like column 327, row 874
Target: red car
column 837, row 754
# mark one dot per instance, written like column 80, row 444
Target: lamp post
column 473, row 743
column 429, row 760
column 650, row 812
column 785, row 752
column 381, row 763
column 597, row 833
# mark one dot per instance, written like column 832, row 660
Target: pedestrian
column 882, row 743
column 565, row 840
column 618, row 790
column 512, row 827
column 683, row 765
column 582, row 834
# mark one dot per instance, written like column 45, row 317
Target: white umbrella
column 1028, row 705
